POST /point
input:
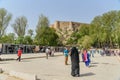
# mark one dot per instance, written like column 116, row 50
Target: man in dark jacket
column 75, row 62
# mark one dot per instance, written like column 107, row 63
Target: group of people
column 74, row 55
column 104, row 52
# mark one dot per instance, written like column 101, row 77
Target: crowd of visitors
column 86, row 55
column 75, row 54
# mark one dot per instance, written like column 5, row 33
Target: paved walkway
column 102, row 68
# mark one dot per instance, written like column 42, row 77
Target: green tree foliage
column 43, row 22
column 19, row 26
column 85, row 41
column 106, row 26
column 19, row 40
column 103, row 31
column 28, row 40
column 12, row 37
column 76, row 37
column 8, row 38
column 5, row 18
column 30, row 32
column 97, row 33
column 44, row 34
column 24, row 40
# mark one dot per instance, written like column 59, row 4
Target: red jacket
column 85, row 55
column 19, row 52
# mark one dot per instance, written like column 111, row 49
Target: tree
column 116, row 36
column 105, row 27
column 44, row 34
column 73, row 38
column 28, row 40
column 5, row 18
column 98, row 33
column 109, row 20
column 20, row 26
column 20, row 40
column 85, row 41
column 103, row 31
column 12, row 37
column 8, row 38
column 43, row 22
column 30, row 32
column 76, row 36
column 5, row 39
column 47, row 36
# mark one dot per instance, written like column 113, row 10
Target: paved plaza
column 53, row 68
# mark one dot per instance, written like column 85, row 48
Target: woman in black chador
column 75, row 62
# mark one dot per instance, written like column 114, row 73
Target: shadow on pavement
column 93, row 66
column 95, row 63
column 41, row 57
column 4, row 63
column 105, row 63
column 25, row 61
column 108, row 64
column 87, row 74
column 49, row 75
column 7, row 59
column 34, row 57
column 67, row 64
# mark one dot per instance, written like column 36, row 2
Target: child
column 86, row 58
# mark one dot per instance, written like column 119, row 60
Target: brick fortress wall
column 65, row 28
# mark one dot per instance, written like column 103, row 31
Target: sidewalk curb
column 10, row 59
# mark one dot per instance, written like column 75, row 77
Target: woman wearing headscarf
column 74, row 62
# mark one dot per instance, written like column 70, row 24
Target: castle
column 65, row 28
column 64, row 25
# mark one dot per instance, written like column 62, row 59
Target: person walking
column 66, row 52
column 86, row 57
column 74, row 62
column 47, row 51
column 52, row 52
column 92, row 52
column 19, row 54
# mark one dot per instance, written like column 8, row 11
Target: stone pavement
column 102, row 68
column 7, row 77
column 26, row 56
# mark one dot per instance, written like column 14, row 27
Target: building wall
column 64, row 25
column 65, row 28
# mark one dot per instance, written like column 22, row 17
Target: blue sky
column 63, row 10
